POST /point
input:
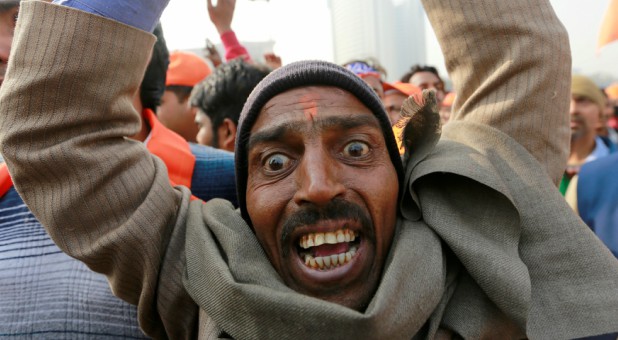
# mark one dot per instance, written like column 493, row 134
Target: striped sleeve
column 65, row 109
column 511, row 72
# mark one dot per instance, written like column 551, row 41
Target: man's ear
column 227, row 135
column 602, row 121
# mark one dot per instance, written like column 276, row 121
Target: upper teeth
column 318, row 239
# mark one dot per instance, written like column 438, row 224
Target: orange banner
column 609, row 27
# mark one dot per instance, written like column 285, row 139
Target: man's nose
column 573, row 107
column 318, row 179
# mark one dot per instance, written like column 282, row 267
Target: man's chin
column 357, row 299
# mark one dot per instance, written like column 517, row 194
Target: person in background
column 370, row 72
column 593, row 194
column 612, row 94
column 425, row 77
column 586, row 111
column 610, row 116
column 46, row 293
column 446, row 107
column 272, row 60
column 186, row 69
column 394, row 96
column 208, row 172
column 219, row 99
column 606, row 128
column 221, row 16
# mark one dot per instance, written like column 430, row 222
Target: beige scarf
column 493, row 253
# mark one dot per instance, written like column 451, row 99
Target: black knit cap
column 301, row 74
column 8, row 4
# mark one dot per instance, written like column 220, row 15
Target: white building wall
column 392, row 31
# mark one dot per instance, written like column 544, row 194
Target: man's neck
column 581, row 148
column 145, row 128
column 143, row 131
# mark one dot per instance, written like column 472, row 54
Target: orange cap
column 449, row 99
column 612, row 91
column 186, row 69
column 405, row 88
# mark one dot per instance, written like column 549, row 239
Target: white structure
column 392, row 31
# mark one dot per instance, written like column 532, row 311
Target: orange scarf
column 173, row 150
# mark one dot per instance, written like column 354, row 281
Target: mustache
column 337, row 209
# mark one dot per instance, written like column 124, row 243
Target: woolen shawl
column 514, row 262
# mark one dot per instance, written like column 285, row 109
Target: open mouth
column 328, row 250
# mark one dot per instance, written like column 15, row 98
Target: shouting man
column 335, row 237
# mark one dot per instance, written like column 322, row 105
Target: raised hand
column 210, row 52
column 222, row 14
column 272, row 60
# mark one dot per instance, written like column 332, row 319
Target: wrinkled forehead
column 424, row 78
column 578, row 97
column 310, row 103
column 305, row 97
column 315, row 105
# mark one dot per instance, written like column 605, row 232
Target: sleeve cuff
column 142, row 14
column 233, row 48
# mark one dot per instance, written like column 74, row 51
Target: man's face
column 427, row 80
column 205, row 135
column 178, row 116
column 585, row 117
column 393, row 100
column 608, row 111
column 322, row 193
column 375, row 83
column 7, row 26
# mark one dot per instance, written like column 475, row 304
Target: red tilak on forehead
column 309, row 105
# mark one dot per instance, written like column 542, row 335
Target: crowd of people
column 148, row 193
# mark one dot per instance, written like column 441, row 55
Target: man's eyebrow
column 277, row 132
column 271, row 134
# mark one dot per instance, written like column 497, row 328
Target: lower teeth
column 331, row 261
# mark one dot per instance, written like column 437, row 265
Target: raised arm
column 65, row 109
column 511, row 67
column 221, row 16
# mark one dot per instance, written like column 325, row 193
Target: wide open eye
column 276, row 162
column 356, row 149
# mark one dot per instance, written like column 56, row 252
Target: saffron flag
column 609, row 27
